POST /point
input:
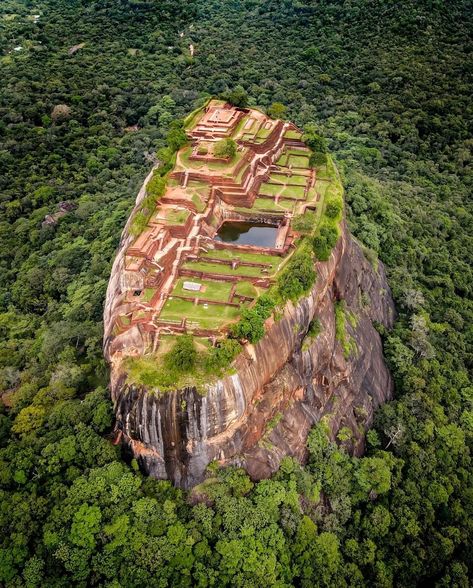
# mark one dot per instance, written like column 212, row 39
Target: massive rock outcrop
column 280, row 387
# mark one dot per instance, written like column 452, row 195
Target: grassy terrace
column 148, row 293
column 326, row 172
column 200, row 193
column 212, row 316
column 294, row 179
column 321, row 187
column 216, row 291
column 269, row 205
column 220, row 268
column 239, row 176
column 296, row 158
column 263, row 133
column 177, row 217
column 247, row 289
column 299, row 161
column 296, row 192
column 150, row 371
column 293, row 135
column 184, row 162
column 211, row 290
column 271, row 262
column 239, row 127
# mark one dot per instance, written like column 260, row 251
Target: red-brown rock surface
column 282, row 385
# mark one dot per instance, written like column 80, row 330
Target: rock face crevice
column 281, row 387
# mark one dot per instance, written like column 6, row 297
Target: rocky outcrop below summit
column 280, row 387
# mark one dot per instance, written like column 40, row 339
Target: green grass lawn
column 177, row 217
column 247, row 289
column 211, row 317
column 263, row 133
column 249, row 130
column 326, row 171
column 293, row 135
column 271, row 206
column 284, row 179
column 239, row 176
column 271, row 260
column 298, row 151
column 294, row 192
column 201, row 187
column 219, row 268
column 321, row 187
column 139, row 314
column 280, row 179
column 125, row 319
column 148, row 294
column 288, row 155
column 298, row 180
column 199, row 204
column 270, row 189
column 200, row 193
column 212, row 165
column 218, row 291
column 240, row 126
column 300, row 161
column 282, row 161
column 312, row 195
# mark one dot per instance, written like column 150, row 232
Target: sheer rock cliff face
column 281, row 387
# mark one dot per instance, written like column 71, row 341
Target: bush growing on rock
column 298, row 276
column 324, row 242
column 156, row 187
column 182, row 357
column 250, row 326
column 304, row 223
column 333, row 209
column 222, row 354
column 265, row 306
column 317, row 159
column 317, row 144
column 176, row 137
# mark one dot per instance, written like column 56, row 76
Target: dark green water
column 239, row 233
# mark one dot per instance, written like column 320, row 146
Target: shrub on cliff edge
column 251, row 324
column 324, row 242
column 182, row 357
column 298, row 276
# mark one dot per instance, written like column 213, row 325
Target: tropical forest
column 236, row 244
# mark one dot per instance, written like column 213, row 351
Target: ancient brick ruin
column 267, row 182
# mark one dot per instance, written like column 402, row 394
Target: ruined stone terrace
column 178, row 277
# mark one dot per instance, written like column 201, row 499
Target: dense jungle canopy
column 88, row 90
